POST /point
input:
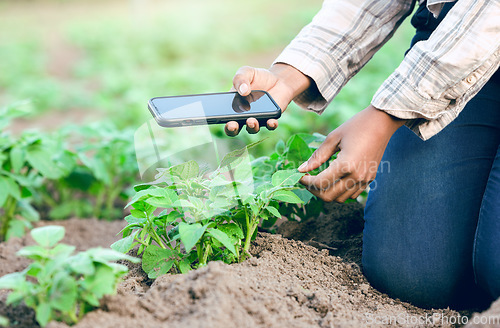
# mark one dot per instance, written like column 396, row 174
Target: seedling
column 59, row 285
column 188, row 216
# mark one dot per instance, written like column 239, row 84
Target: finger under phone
column 233, row 128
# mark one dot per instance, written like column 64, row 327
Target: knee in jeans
column 412, row 283
column 486, row 272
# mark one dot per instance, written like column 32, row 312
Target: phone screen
column 213, row 105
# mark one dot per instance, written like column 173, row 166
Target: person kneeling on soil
column 428, row 145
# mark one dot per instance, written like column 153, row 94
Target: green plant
column 212, row 215
column 59, row 285
column 25, row 162
column 107, row 153
column 98, row 184
column 287, row 156
column 4, row 322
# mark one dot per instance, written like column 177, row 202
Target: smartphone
column 213, row 108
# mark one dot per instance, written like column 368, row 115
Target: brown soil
column 286, row 284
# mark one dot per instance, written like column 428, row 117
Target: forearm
column 339, row 41
column 386, row 123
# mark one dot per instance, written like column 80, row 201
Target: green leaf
column 33, row 252
column 17, row 158
column 303, row 194
column 125, row 244
column 269, row 222
column 63, row 292
column 17, row 228
column 48, row 236
column 4, row 321
column 27, row 211
column 101, row 283
column 104, row 255
column 286, row 196
column 81, row 263
column 156, row 261
column 43, row 314
column 190, row 234
column 142, row 186
column 168, row 194
column 280, row 147
column 286, row 177
column 298, row 151
column 133, row 220
column 97, row 167
column 236, row 155
column 223, row 238
column 165, row 199
column 172, row 216
column 41, row 159
column 231, row 229
column 185, row 265
column 274, row 211
column 8, row 186
column 185, row 171
column 11, row 280
column 138, row 214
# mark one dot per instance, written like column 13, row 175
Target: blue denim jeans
column 432, row 219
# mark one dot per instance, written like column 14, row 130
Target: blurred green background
column 81, row 61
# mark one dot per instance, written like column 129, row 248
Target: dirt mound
column 285, row 284
column 339, row 228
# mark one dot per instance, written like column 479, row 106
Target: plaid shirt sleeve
column 439, row 76
column 434, row 81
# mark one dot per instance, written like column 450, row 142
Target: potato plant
column 188, row 216
column 98, row 185
column 84, row 171
column 25, row 163
column 60, row 285
column 290, row 155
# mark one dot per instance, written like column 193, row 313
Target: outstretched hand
column 281, row 81
column 361, row 142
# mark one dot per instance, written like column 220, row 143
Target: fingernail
column 302, row 166
column 243, row 88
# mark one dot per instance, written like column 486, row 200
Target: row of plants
column 77, row 171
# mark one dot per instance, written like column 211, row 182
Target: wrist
column 292, row 79
column 388, row 122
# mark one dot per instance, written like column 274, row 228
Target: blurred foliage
column 108, row 57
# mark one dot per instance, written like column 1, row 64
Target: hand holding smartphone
column 213, row 108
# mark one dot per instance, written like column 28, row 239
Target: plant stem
column 157, row 238
column 110, row 200
column 205, row 255
column 99, row 201
column 250, row 230
column 10, row 209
